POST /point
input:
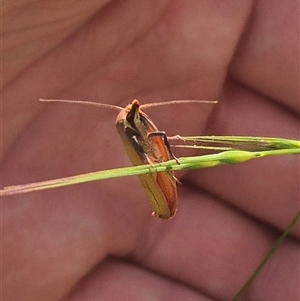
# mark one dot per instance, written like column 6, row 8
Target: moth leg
column 132, row 135
column 166, row 142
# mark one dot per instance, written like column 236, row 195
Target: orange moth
column 145, row 144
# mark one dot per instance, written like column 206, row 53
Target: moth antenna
column 179, row 101
column 85, row 102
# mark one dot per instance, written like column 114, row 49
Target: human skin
column 98, row 241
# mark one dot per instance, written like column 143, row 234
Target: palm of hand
column 103, row 231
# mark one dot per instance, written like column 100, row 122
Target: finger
column 121, row 280
column 267, row 58
column 215, row 248
column 267, row 188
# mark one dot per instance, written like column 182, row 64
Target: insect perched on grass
column 145, row 144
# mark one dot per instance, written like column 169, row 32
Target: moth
column 144, row 143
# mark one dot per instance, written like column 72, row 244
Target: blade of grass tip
column 72, row 180
column 245, row 139
column 262, row 142
column 267, row 258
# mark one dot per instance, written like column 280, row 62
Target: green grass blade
column 206, row 161
column 239, row 142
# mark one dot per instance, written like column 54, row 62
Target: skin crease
column 98, row 241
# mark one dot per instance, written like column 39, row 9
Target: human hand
column 98, row 240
